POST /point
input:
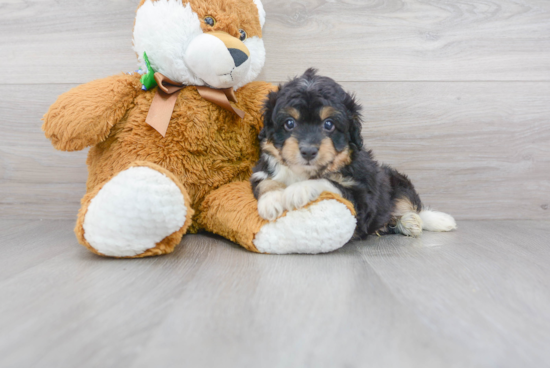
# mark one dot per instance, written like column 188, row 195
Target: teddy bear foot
column 134, row 212
column 323, row 227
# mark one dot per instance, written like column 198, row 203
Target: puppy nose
column 309, row 152
column 239, row 57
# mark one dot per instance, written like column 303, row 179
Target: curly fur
column 307, row 158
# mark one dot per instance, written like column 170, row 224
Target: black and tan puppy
column 312, row 142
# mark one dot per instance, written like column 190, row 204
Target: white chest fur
column 284, row 174
column 300, row 189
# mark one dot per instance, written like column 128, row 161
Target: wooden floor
column 479, row 297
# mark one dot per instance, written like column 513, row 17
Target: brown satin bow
column 167, row 94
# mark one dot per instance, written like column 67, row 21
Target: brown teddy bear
column 172, row 148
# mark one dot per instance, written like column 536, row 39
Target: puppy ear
column 354, row 110
column 355, row 131
column 269, row 108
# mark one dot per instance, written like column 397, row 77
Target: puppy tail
column 437, row 221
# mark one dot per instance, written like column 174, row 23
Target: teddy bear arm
column 232, row 212
column 324, row 225
column 84, row 116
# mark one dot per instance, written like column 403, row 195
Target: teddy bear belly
column 202, row 162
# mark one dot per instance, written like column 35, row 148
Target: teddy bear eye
column 243, row 35
column 210, row 21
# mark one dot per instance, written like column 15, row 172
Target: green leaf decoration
column 148, row 80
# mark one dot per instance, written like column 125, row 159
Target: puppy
column 311, row 143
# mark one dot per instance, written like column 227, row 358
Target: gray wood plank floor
column 478, row 297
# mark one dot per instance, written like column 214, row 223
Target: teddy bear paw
column 133, row 212
column 320, row 228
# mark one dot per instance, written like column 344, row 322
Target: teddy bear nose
column 309, row 152
column 238, row 56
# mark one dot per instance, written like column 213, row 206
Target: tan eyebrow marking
column 293, row 112
column 326, row 112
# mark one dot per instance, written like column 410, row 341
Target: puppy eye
column 290, row 124
column 243, row 35
column 329, row 126
column 210, row 21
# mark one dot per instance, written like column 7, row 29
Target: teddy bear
column 172, row 146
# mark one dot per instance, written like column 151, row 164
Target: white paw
column 321, row 228
column 300, row 194
column 270, row 205
column 133, row 212
column 410, row 224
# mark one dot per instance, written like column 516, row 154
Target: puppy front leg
column 300, row 194
column 270, row 199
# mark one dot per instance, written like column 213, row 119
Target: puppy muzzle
column 308, row 152
column 218, row 58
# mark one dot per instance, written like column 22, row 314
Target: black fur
column 308, row 94
column 374, row 195
column 375, row 188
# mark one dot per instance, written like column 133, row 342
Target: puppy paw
column 410, row 224
column 270, row 205
column 298, row 195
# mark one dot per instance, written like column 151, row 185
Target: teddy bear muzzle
column 218, row 58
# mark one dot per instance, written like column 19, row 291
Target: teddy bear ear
column 261, row 11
